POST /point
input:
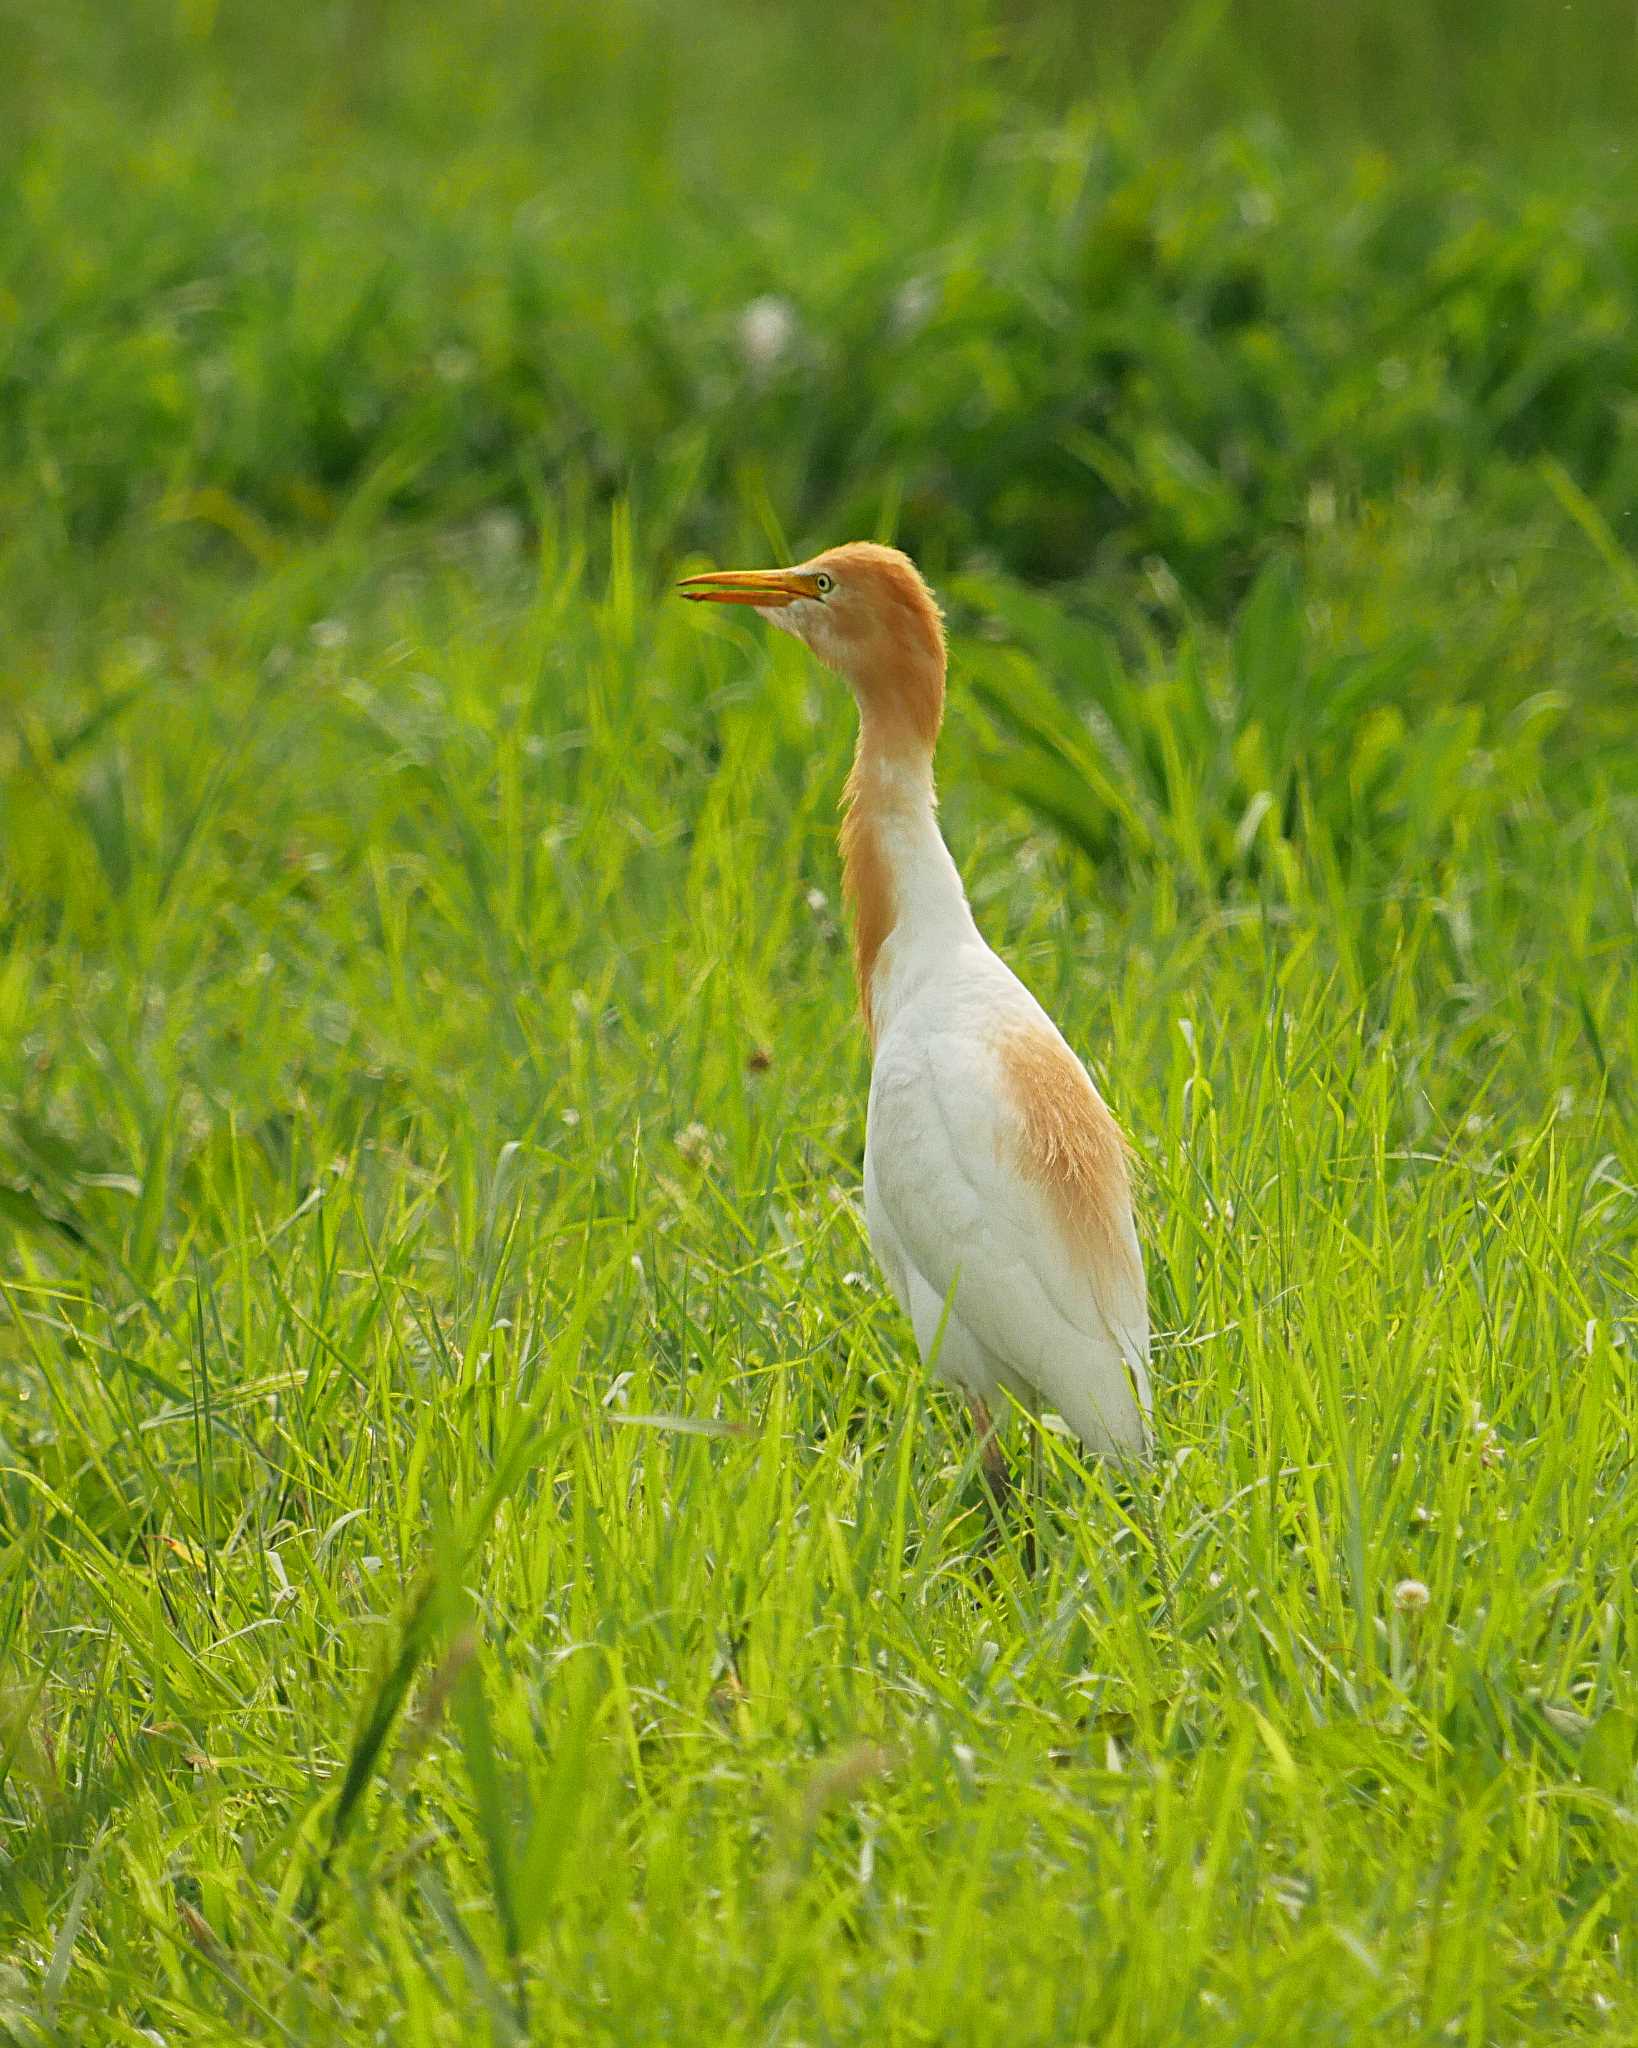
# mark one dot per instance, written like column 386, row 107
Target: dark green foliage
column 1062, row 334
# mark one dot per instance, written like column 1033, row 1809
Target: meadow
column 479, row 1557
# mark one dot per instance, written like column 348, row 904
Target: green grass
column 479, row 1559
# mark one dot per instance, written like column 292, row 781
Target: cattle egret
column 995, row 1179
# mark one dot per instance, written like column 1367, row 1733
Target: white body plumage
column 1001, row 1296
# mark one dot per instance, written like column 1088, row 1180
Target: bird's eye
column 824, row 582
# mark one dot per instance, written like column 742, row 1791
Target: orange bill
column 769, row 589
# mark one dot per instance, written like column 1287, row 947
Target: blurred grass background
column 1068, row 286
column 430, row 1095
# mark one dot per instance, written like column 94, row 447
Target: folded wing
column 1004, row 1178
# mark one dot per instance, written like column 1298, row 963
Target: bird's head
column 865, row 611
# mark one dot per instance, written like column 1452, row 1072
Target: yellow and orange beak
column 768, row 589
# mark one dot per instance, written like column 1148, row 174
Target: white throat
column 895, row 802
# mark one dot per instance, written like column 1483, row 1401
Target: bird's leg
column 991, row 1456
column 1002, row 1487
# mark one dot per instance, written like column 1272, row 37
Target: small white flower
column 329, row 633
column 1410, row 1596
column 767, row 328
column 1491, row 1451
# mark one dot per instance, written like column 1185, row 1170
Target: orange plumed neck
column 889, row 791
column 881, row 628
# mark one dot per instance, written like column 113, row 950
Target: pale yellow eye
column 824, row 582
